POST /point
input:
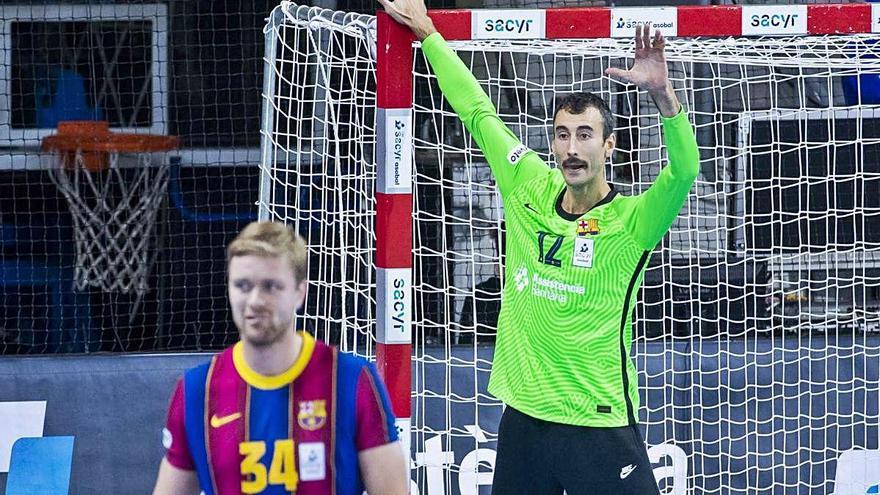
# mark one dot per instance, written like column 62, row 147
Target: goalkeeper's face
column 264, row 296
column 580, row 148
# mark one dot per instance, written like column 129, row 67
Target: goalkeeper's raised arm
column 511, row 162
column 652, row 213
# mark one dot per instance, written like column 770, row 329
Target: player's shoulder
column 541, row 185
column 621, row 206
column 326, row 356
column 622, row 197
column 350, row 363
column 202, row 368
column 199, row 372
column 199, row 369
column 193, row 381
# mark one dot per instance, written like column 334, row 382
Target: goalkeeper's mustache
column 573, row 162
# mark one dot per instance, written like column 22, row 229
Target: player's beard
column 265, row 336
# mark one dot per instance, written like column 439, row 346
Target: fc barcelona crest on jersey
column 588, row 227
column 312, row 414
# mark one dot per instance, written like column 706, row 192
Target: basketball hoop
column 114, row 185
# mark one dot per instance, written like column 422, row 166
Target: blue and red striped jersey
column 297, row 432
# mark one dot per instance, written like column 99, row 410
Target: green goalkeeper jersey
column 565, row 328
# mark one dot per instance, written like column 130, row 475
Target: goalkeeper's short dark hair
column 576, row 103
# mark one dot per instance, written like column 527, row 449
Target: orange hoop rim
column 95, row 136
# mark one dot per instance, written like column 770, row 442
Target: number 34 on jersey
column 260, row 469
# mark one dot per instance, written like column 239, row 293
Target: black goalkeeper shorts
column 537, row 457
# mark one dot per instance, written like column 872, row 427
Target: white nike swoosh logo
column 626, row 471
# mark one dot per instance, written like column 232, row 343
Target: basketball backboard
column 82, row 62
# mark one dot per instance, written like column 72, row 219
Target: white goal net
column 757, row 336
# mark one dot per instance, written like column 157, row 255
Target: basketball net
column 114, row 189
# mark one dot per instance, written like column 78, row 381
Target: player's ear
column 302, row 288
column 610, row 143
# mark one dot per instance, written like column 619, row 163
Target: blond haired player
column 278, row 412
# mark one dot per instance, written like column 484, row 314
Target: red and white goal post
column 756, row 331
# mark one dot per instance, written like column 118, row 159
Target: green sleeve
column 649, row 215
column 511, row 162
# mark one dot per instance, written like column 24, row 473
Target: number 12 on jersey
column 548, row 255
column 550, row 244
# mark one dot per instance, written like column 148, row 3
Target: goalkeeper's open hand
column 412, row 14
column 649, row 71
